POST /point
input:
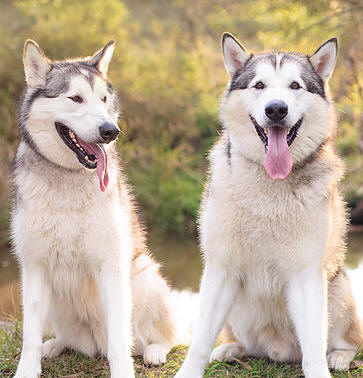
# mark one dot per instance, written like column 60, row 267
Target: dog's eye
column 104, row 99
column 78, row 99
column 259, row 85
column 295, row 85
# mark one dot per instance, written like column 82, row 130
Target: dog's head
column 275, row 108
column 69, row 112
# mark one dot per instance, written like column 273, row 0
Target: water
column 181, row 265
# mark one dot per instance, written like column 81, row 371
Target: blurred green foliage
column 169, row 72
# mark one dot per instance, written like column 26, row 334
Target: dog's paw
column 27, row 375
column 28, row 370
column 316, row 370
column 227, row 352
column 186, row 372
column 122, row 367
column 52, row 348
column 340, row 359
column 154, row 354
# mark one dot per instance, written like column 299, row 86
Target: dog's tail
column 185, row 304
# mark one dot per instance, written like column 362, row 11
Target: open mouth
column 277, row 140
column 90, row 155
column 291, row 133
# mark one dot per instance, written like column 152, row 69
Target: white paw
column 122, row 373
column 27, row 375
column 227, row 352
column 316, row 371
column 122, row 367
column 52, row 348
column 155, row 354
column 186, row 372
column 28, row 370
column 340, row 359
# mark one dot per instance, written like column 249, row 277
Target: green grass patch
column 70, row 364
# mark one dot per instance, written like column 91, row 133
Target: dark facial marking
column 313, row 82
column 25, row 105
column 63, row 71
column 273, row 60
column 242, row 78
column 244, row 75
column 57, row 82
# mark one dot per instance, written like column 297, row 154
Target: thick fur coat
column 86, row 269
column 273, row 233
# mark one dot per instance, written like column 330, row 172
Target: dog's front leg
column 217, row 292
column 115, row 295
column 35, row 307
column 307, row 305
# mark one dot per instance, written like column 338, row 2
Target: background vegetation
column 169, row 72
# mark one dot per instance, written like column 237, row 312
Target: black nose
column 276, row 110
column 108, row 132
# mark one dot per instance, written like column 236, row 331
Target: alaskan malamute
column 273, row 220
column 76, row 235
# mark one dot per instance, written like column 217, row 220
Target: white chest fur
column 249, row 220
column 63, row 221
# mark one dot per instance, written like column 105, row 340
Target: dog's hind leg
column 340, row 359
column 70, row 331
column 345, row 333
column 230, row 348
column 78, row 338
column 228, row 352
column 53, row 348
column 153, row 319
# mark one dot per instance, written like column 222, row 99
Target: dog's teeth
column 86, row 157
column 71, row 134
column 78, row 145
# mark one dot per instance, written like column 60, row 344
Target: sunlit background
column 169, row 72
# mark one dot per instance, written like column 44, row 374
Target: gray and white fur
column 86, row 269
column 273, row 221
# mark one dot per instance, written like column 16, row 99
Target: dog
column 76, row 235
column 273, row 221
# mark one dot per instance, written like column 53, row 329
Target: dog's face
column 70, row 110
column 275, row 109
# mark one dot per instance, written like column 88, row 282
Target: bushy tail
column 185, row 305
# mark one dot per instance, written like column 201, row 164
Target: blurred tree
column 169, row 71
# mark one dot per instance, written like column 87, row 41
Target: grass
column 72, row 365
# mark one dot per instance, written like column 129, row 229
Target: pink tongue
column 278, row 162
column 100, row 153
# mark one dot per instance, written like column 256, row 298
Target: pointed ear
column 101, row 59
column 323, row 59
column 235, row 55
column 36, row 64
